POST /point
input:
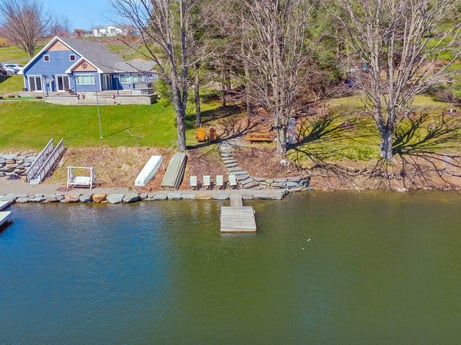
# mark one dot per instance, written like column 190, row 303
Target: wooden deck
column 237, row 218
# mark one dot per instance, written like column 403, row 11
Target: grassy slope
column 32, row 124
column 11, row 84
column 13, row 55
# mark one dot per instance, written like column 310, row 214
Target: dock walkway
column 236, row 217
column 4, row 218
column 4, row 204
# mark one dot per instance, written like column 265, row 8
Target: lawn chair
column 219, row 181
column 193, row 182
column 206, row 181
column 232, row 181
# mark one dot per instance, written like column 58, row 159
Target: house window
column 35, row 83
column 85, row 79
column 72, row 57
column 46, row 58
column 137, row 78
column 125, row 78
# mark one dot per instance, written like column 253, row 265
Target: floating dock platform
column 236, row 217
column 4, row 204
column 4, row 218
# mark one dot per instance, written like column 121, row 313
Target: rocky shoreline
column 14, row 189
column 131, row 197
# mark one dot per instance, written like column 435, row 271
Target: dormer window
column 72, row 57
column 46, row 58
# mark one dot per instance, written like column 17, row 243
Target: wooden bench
column 260, row 137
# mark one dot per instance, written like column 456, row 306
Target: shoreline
column 17, row 191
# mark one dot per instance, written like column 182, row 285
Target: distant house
column 109, row 31
column 79, row 66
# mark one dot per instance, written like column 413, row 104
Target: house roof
column 99, row 56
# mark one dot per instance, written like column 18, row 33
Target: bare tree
column 24, row 22
column 403, row 47
column 276, row 36
column 165, row 27
column 59, row 26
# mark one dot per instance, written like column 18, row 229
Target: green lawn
column 11, row 84
column 30, row 125
column 14, row 55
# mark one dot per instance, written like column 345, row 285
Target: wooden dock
column 4, row 204
column 236, row 217
column 4, row 218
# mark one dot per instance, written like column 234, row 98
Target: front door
column 106, row 82
column 35, row 83
column 62, row 82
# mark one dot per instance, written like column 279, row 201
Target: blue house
column 79, row 66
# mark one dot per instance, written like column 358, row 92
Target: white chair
column 206, row 181
column 219, row 181
column 193, row 182
column 232, row 181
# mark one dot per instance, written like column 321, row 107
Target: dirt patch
column 262, row 160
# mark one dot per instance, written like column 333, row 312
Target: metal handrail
column 50, row 162
column 37, row 163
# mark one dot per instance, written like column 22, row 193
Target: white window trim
column 126, row 78
column 72, row 57
column 45, row 58
column 34, row 77
column 83, row 75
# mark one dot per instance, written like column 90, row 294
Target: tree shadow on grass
column 428, row 148
column 227, row 125
column 211, row 115
column 313, row 130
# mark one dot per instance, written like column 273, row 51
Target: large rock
column 70, row 198
column 131, row 197
column 100, row 197
column 37, row 198
column 188, row 196
column 174, row 196
column 158, row 196
column 22, row 200
column 51, row 198
column 115, row 198
column 85, row 198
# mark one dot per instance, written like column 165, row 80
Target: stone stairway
column 243, row 177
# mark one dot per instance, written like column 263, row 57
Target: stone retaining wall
column 14, row 166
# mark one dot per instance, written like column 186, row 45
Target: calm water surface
column 324, row 268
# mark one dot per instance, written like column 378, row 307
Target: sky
column 83, row 14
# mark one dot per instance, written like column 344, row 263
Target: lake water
column 324, row 268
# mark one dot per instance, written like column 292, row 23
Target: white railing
column 49, row 163
column 39, row 160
